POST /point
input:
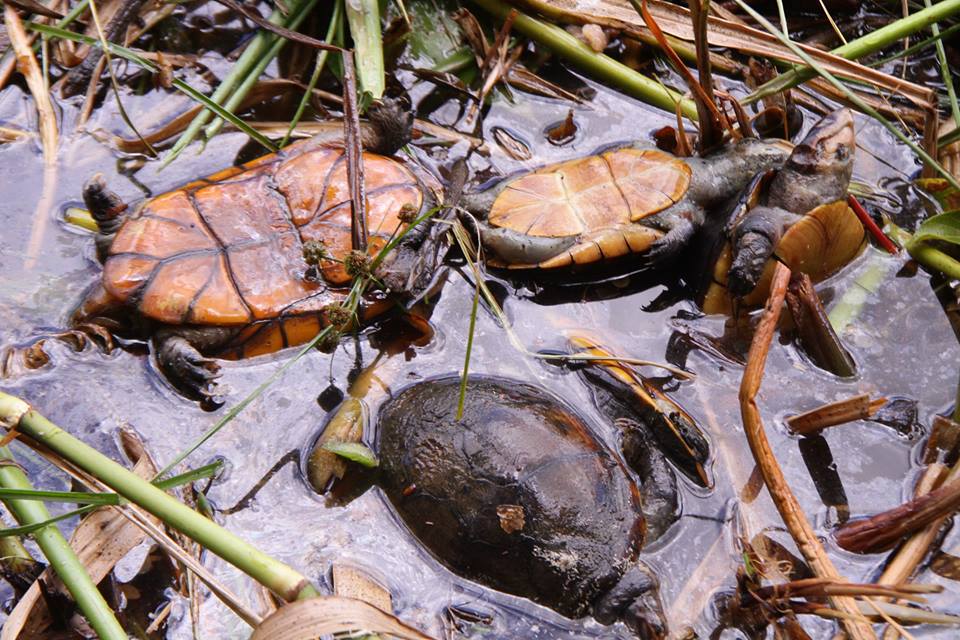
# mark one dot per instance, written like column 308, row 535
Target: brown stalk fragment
column 351, row 126
column 854, row 623
column 884, row 530
column 834, row 413
column 27, row 65
column 817, row 337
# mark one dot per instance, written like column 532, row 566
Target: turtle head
column 391, row 120
column 635, row 600
column 819, row 168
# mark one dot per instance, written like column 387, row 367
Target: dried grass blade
column 113, row 79
column 328, row 615
column 133, row 56
column 708, row 114
column 27, row 64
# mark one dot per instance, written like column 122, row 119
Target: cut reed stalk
column 54, row 546
column 275, row 575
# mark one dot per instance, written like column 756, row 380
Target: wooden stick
column 884, row 530
column 856, row 626
column 833, row 413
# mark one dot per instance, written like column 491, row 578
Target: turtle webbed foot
column 187, row 370
column 661, row 505
column 635, row 599
column 672, row 243
column 752, row 252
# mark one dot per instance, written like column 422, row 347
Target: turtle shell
column 587, row 194
column 227, row 250
column 518, row 494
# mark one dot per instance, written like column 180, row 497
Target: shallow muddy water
column 901, row 342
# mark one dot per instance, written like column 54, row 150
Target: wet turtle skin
column 517, row 495
column 797, row 215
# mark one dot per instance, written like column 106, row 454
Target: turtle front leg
column 178, row 351
column 754, row 241
column 635, row 599
column 107, row 209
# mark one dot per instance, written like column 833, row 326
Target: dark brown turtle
column 217, row 267
column 797, row 215
column 520, row 496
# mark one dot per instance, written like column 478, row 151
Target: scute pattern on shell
column 226, row 250
column 583, row 195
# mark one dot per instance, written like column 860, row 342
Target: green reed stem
column 273, row 574
column 54, row 546
column 863, row 46
column 335, row 27
column 466, row 358
column 252, row 75
column 598, row 65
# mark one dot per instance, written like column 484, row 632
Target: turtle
column 633, row 200
column 217, row 267
column 520, row 495
column 798, row 215
column 621, row 201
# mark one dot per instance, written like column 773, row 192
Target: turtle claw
column 671, row 244
column 187, row 370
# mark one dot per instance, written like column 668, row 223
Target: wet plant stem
column 273, row 574
column 297, row 14
column 602, row 67
column 860, row 47
column 466, row 358
column 850, row 95
column 335, row 27
column 54, row 546
column 783, row 497
column 250, row 58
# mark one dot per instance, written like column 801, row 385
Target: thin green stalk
column 917, row 46
column 350, row 303
column 61, row 24
column 297, row 14
column 14, row 557
column 933, row 258
column 58, row 551
column 108, row 63
column 945, row 70
column 131, row 55
column 335, row 26
column 199, row 473
column 363, row 17
column 850, row 95
column 466, row 358
column 73, row 497
column 863, row 46
column 273, row 574
column 602, row 67
column 257, row 49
